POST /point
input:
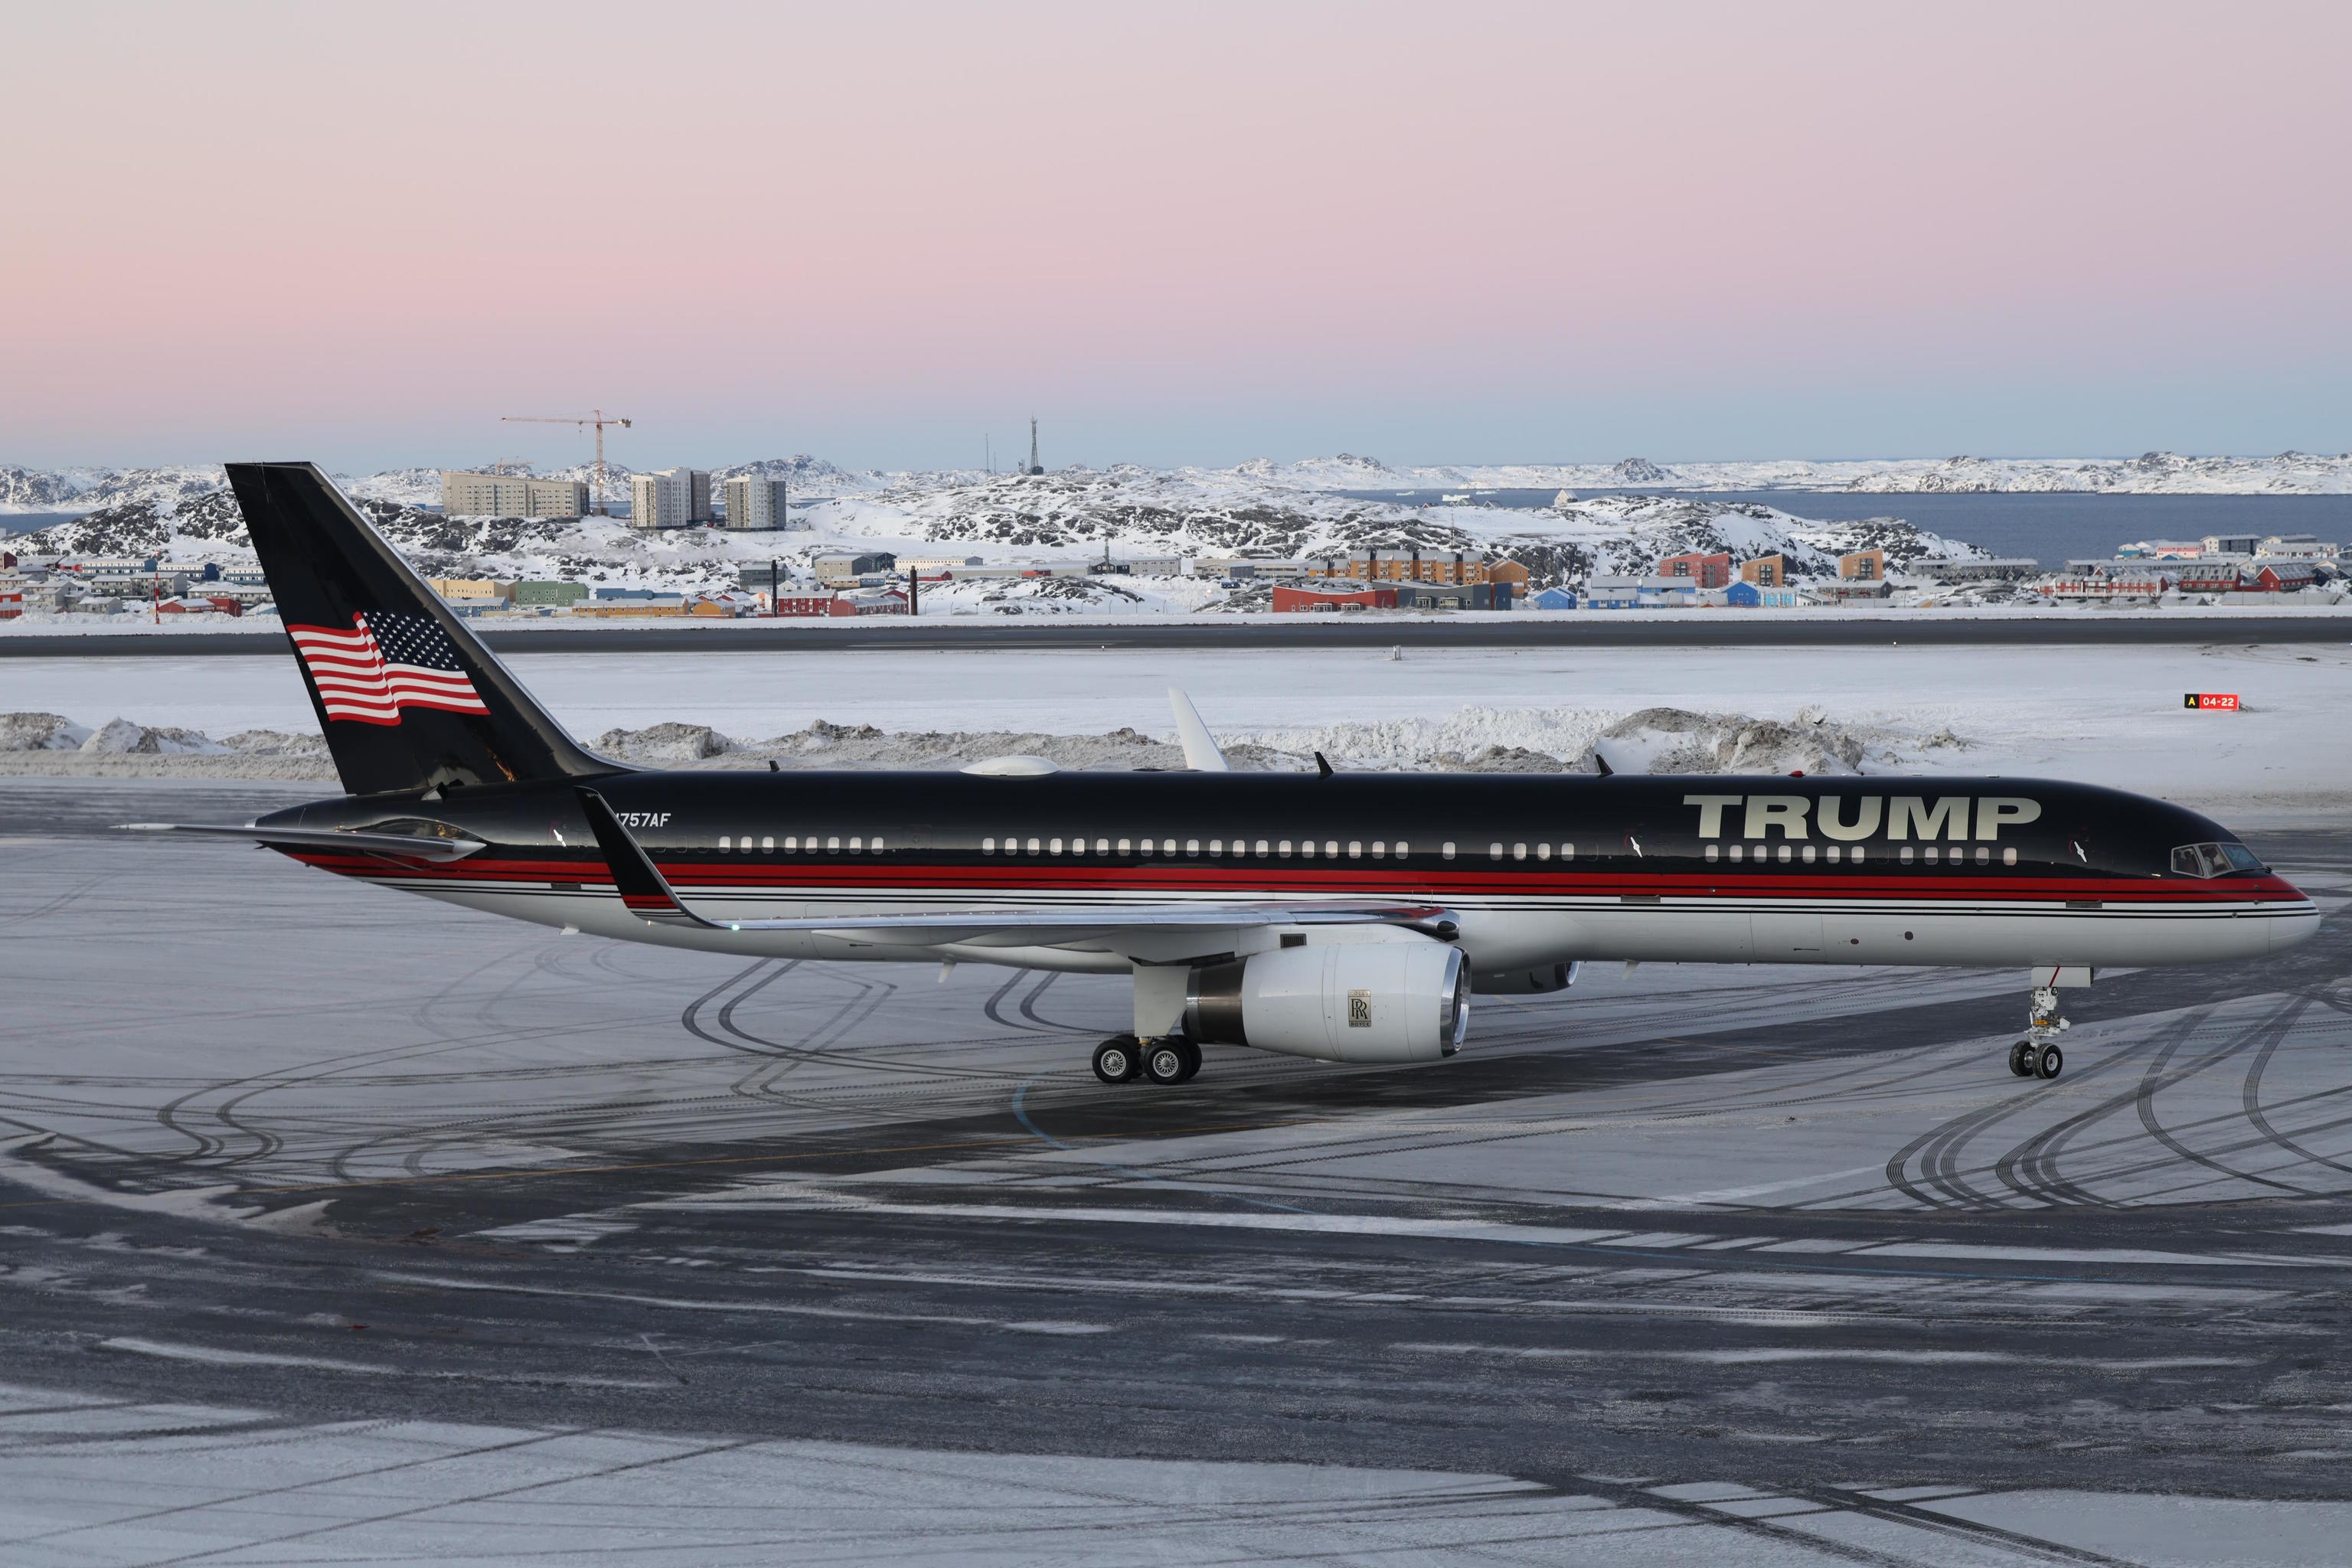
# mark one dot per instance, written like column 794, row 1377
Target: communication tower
column 1035, row 466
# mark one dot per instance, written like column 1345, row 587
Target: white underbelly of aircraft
column 1504, row 935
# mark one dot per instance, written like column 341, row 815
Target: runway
column 391, row 1225
column 1696, row 628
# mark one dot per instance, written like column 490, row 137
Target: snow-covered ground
column 2104, row 715
column 1073, row 515
column 102, row 1481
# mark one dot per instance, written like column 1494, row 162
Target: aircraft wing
column 649, row 895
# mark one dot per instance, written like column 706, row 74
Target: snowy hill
column 26, row 489
column 2152, row 473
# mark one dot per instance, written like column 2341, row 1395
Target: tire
column 2048, row 1062
column 1163, row 1062
column 1116, row 1060
column 1191, row 1060
column 2021, row 1059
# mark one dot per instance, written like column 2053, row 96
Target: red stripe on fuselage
column 1246, row 878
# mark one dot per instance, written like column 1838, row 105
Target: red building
column 814, row 605
column 1287, row 598
column 2279, row 576
column 889, row 602
column 1708, row 571
column 2209, row 577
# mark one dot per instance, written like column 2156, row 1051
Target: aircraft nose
column 2295, row 925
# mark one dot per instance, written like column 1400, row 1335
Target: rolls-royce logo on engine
column 1359, row 1009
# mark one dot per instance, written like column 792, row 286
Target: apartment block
column 511, row 495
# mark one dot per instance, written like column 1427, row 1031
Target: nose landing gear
column 2037, row 1055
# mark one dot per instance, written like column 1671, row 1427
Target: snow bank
column 40, row 732
column 1474, row 740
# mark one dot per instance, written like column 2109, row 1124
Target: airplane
column 1343, row 917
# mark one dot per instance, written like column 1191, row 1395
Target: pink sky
column 1178, row 233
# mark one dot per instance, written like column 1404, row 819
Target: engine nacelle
column 1345, row 1002
column 1541, row 980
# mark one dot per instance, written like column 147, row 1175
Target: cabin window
column 856, row 845
column 767, row 846
column 1712, row 851
column 832, row 846
column 1934, row 854
column 1518, row 851
column 1808, row 855
column 1053, row 847
column 1905, row 856
column 1102, row 846
column 1403, row 849
column 987, row 845
column 1567, row 852
column 1855, row 854
column 1983, row 854
column 1494, row 852
column 1739, row 852
column 791, row 846
column 1307, row 847
column 725, row 843
column 1331, row 849
column 1379, row 848
column 2009, row 856
column 1543, row 851
column 1123, row 846
column 1837, row 853
column 1032, row 847
column 1191, row 846
column 1784, row 854
column 1282, row 848
column 1355, row 848
column 1216, row 847
column 1446, row 849
column 1261, row 847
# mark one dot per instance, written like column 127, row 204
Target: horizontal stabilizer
column 407, row 846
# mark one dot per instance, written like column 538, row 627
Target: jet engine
column 1345, row 1002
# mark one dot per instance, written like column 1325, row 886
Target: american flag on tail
column 386, row 663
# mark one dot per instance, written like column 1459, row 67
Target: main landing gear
column 2037, row 1055
column 1123, row 1058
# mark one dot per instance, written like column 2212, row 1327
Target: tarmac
column 337, row 1223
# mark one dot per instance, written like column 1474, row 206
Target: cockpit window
column 2213, row 860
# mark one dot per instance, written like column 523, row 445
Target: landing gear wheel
column 2048, row 1062
column 2021, row 1059
column 1164, row 1061
column 1117, row 1059
column 1192, row 1059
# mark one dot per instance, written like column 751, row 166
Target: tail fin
column 408, row 697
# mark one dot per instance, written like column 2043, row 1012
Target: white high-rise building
column 756, row 503
column 659, row 501
column 673, row 497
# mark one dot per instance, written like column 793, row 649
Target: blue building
column 1555, row 599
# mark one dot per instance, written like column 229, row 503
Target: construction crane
column 595, row 417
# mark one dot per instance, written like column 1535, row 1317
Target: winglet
column 1200, row 753
column 643, row 888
